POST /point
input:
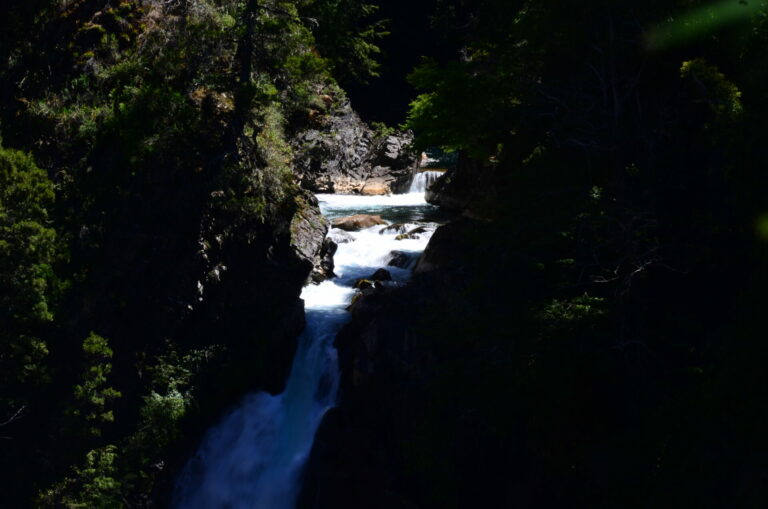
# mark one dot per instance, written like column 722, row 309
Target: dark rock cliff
column 251, row 290
column 341, row 154
column 470, row 188
column 362, row 456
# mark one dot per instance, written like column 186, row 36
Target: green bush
column 28, row 249
column 92, row 394
column 91, row 486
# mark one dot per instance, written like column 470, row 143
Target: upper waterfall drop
column 423, row 179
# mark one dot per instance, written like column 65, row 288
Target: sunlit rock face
column 341, row 154
column 357, row 222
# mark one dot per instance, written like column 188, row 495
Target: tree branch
column 14, row 417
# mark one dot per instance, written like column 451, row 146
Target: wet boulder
column 376, row 187
column 449, row 246
column 381, row 275
column 368, row 286
column 357, row 222
column 324, row 262
column 364, row 284
column 340, row 236
column 413, row 234
column 399, row 259
column 394, row 228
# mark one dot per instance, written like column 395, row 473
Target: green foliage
column 92, row 485
column 257, row 194
column 473, row 104
column 168, row 401
column 561, row 315
column 274, row 150
column 346, row 35
column 435, row 115
column 28, row 250
column 93, row 395
column 697, row 21
column 27, row 241
column 382, row 130
column 722, row 95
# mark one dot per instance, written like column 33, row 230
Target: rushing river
column 254, row 458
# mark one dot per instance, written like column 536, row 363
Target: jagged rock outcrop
column 266, row 266
column 324, row 262
column 308, row 228
column 470, row 188
column 344, row 155
column 308, row 237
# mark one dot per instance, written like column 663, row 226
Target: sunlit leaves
column 27, row 251
column 90, row 485
column 700, row 21
column 347, row 35
column 92, row 394
column 723, row 96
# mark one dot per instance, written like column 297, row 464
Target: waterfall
column 423, row 179
column 254, row 458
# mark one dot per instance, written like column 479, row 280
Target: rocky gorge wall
column 339, row 153
column 369, row 451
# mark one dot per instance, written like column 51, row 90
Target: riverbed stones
column 357, row 222
column 394, row 228
column 413, row 234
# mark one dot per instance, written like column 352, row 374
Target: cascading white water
column 254, row 458
column 423, row 179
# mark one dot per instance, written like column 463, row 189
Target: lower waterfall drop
column 255, row 457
